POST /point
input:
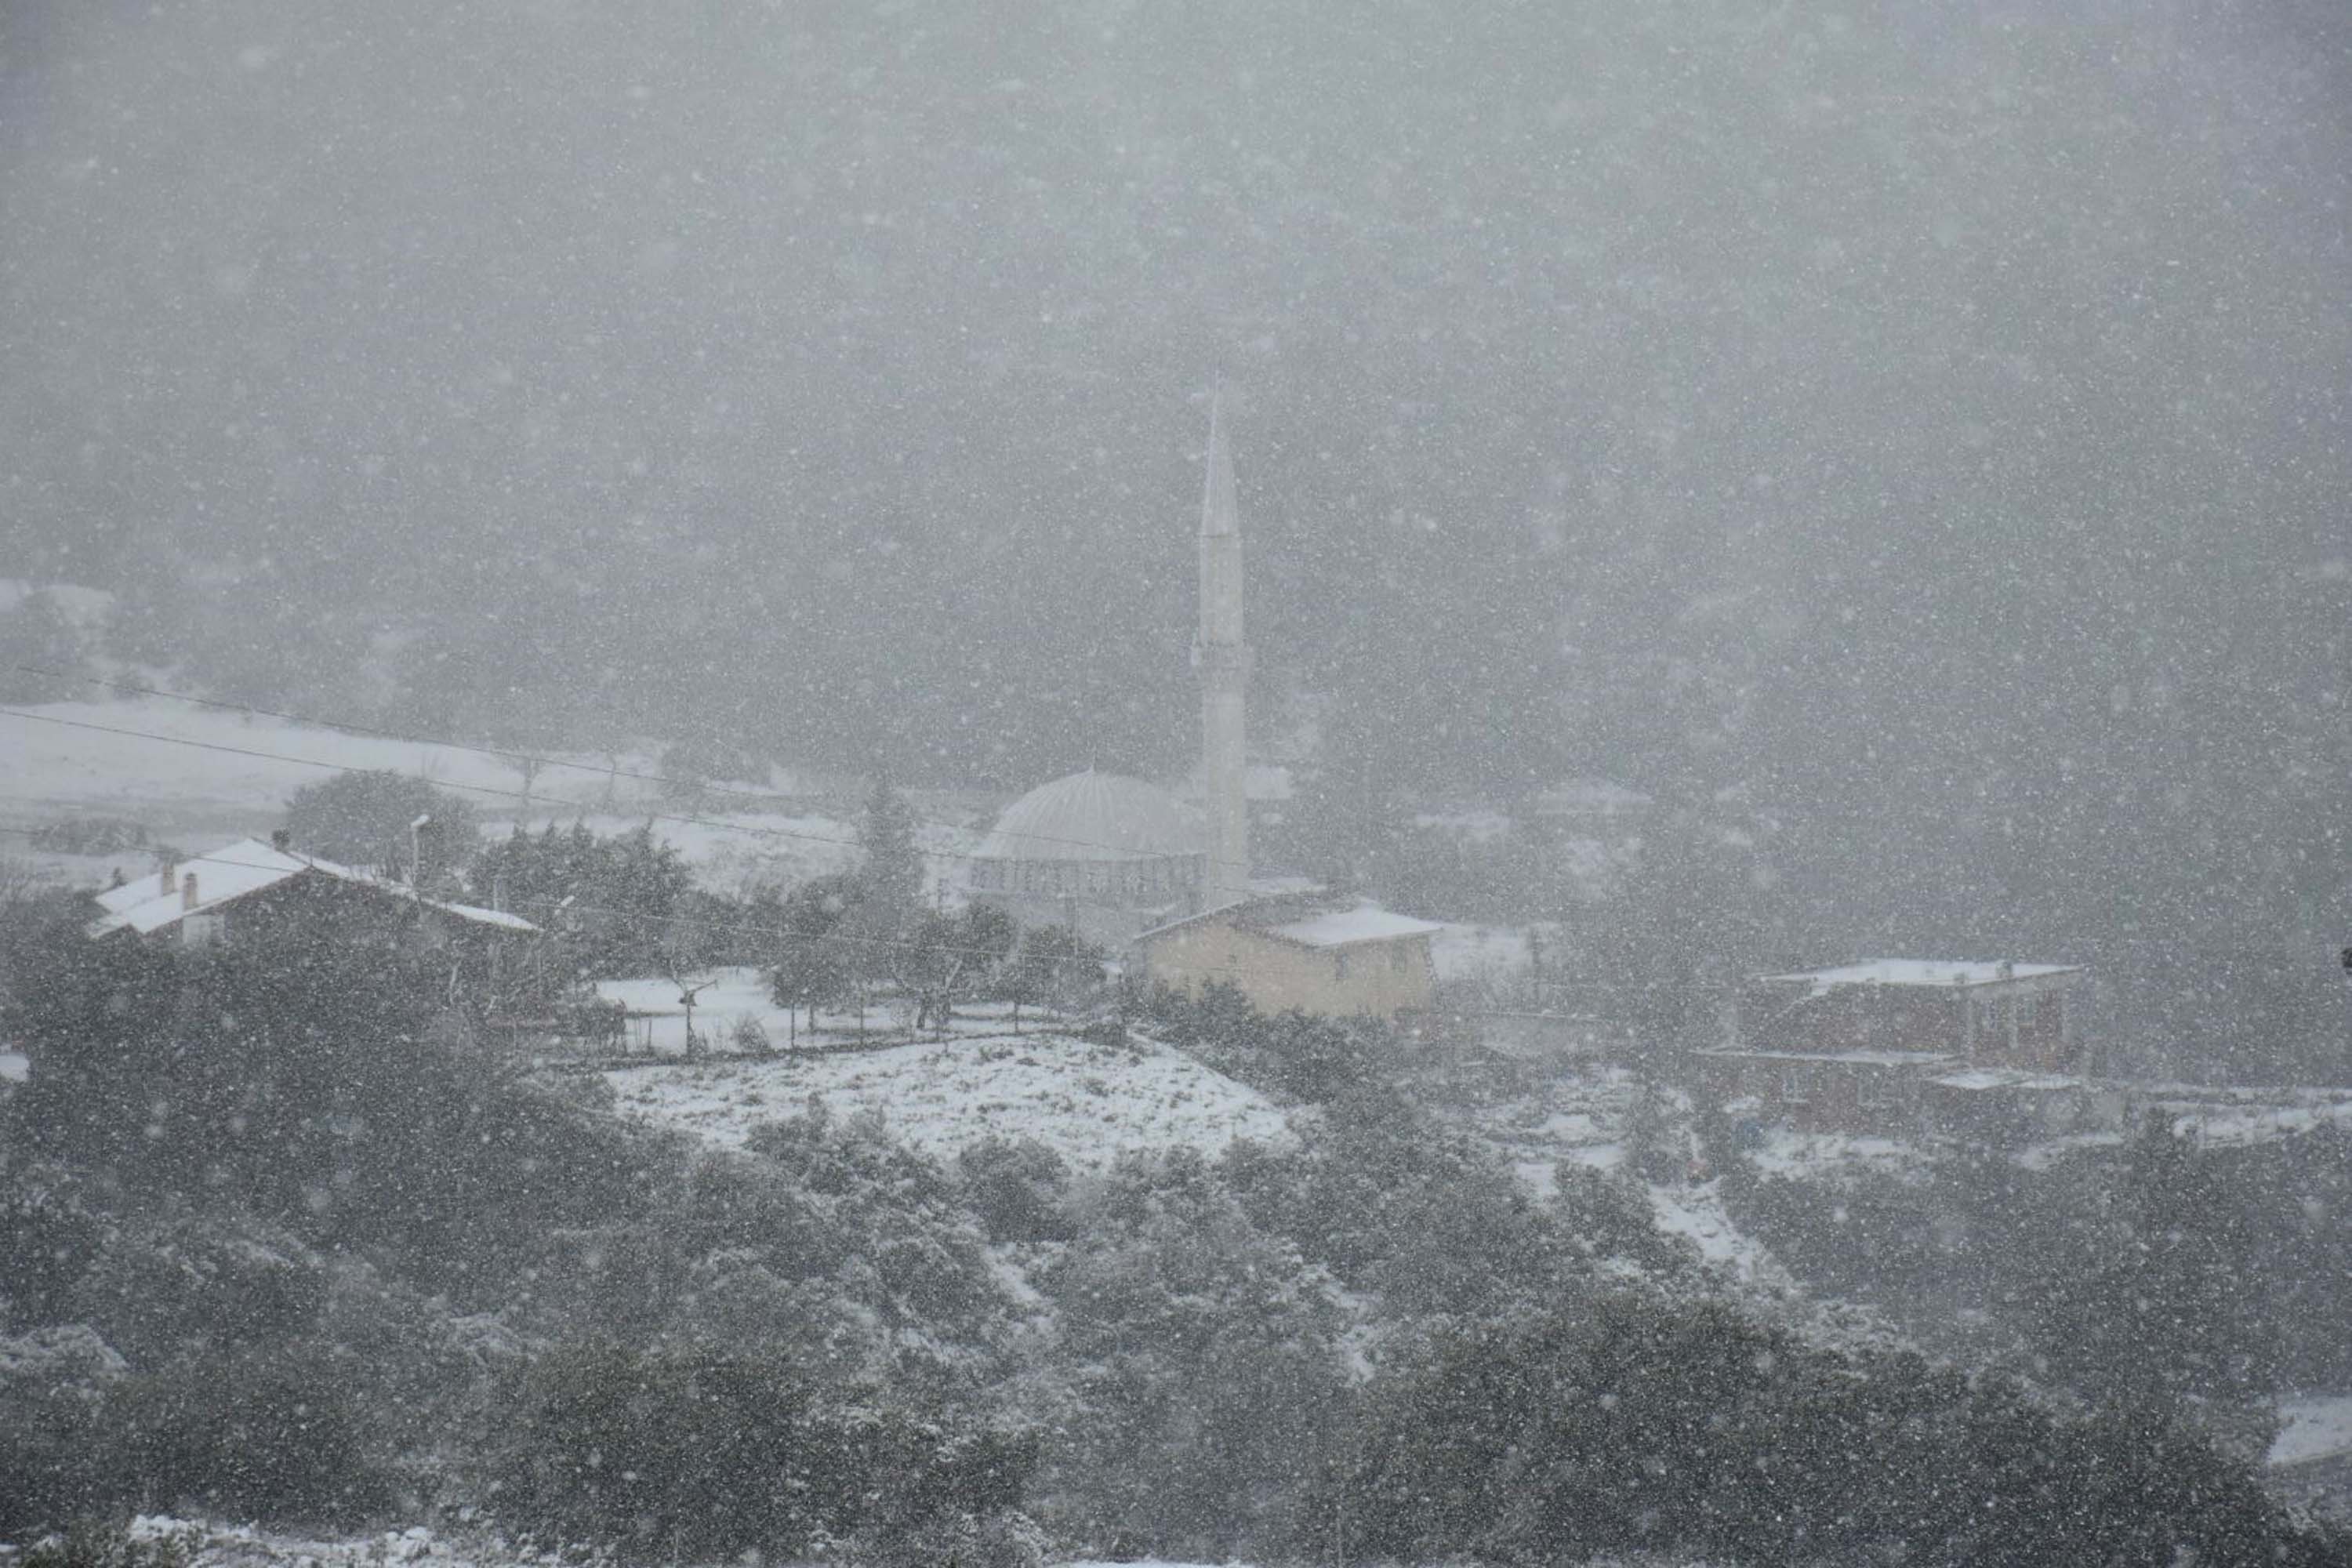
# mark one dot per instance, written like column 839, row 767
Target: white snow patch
column 1819, row 1155
column 1929, row 972
column 1089, row 1104
column 198, row 774
column 1698, row 1214
column 1366, row 922
column 1476, row 952
column 2315, row 1428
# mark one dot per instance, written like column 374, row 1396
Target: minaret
column 1223, row 660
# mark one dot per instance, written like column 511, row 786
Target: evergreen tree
column 2173, row 1313
column 813, row 965
column 893, row 870
column 40, row 653
column 940, row 957
column 1051, row 963
column 369, row 820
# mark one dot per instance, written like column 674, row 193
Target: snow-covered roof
column 1981, row 1078
column 1850, row 1059
column 1344, row 928
column 1308, row 921
column 1947, row 971
column 1094, row 816
column 148, row 904
column 223, row 876
column 480, row 916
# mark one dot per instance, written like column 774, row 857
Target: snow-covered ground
column 2315, row 1428
column 1089, row 1104
column 106, row 756
column 1494, row 953
column 2286, row 1113
column 208, row 1544
column 1578, row 1120
column 196, row 777
column 1697, row 1213
column 1816, row 1156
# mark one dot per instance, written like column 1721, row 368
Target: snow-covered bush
column 695, row 1452
column 90, row 1545
column 257, row 1434
column 1633, row 1422
column 1016, row 1186
column 1199, row 1375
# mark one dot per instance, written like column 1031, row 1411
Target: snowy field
column 1089, row 1104
column 214, row 775
column 102, row 756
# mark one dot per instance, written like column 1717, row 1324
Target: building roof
column 1929, row 972
column 1094, row 816
column 1861, row 1059
column 149, row 903
column 1345, row 928
column 1309, row 921
column 1978, row 1079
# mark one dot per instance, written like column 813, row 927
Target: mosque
column 1123, row 861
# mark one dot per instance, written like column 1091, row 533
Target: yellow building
column 1335, row 959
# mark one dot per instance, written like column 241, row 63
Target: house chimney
column 188, row 891
column 167, row 871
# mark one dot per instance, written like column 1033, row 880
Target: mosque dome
column 1094, row 817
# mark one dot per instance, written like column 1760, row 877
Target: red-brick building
column 1868, row 1046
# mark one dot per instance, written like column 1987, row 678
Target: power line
column 503, row 754
column 516, row 795
column 720, row 824
column 513, row 757
column 451, row 784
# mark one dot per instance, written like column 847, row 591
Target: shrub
column 1634, row 1423
column 53, row 1383
column 702, row 1453
column 253, row 1435
column 160, row 1289
column 90, row 1545
column 1016, row 1186
column 49, row 1232
column 1201, row 1363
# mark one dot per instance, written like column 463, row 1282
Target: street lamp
column 415, row 856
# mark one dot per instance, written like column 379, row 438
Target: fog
column 613, row 615
column 1913, row 448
